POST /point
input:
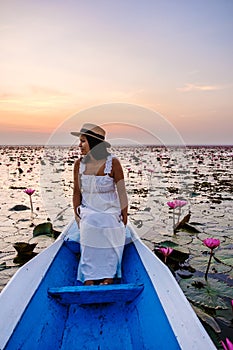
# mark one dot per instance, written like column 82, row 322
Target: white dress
column 102, row 232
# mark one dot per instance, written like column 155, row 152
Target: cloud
column 198, row 87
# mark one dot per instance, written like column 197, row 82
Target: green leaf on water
column 168, row 244
column 207, row 319
column 200, row 264
column 225, row 256
column 208, row 294
column 45, row 228
column 187, row 228
column 3, row 266
column 24, row 247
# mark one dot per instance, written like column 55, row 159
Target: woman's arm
column 76, row 189
column 118, row 176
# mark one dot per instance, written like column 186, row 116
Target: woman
column 100, row 207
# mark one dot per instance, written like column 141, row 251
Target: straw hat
column 92, row 130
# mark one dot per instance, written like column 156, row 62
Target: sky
column 144, row 64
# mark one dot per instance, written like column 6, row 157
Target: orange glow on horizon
column 31, row 121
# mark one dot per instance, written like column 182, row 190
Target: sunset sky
column 171, row 60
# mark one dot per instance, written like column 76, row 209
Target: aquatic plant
column 24, row 252
column 206, row 318
column 46, row 228
column 212, row 294
column 227, row 345
column 150, row 171
column 30, row 191
column 177, row 203
column 211, row 243
column 166, row 251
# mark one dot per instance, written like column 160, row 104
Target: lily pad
column 207, row 319
column 23, row 247
column 225, row 257
column 24, row 257
column 19, row 207
column 45, row 228
column 225, row 316
column 184, row 273
column 197, row 223
column 200, row 264
column 208, row 294
column 182, row 239
column 168, row 244
column 179, row 256
column 3, row 266
column 197, row 246
column 187, row 228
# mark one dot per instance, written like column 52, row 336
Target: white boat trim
column 190, row 333
column 186, row 326
column 23, row 285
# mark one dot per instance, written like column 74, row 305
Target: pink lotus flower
column 177, row 203
column 211, row 243
column 29, row 191
column 166, row 252
column 172, row 205
column 181, row 203
column 128, row 171
column 227, row 345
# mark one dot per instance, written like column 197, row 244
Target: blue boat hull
column 49, row 324
column 44, row 307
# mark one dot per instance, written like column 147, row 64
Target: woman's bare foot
column 107, row 281
column 89, row 283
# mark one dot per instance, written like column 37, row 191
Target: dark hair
column 98, row 148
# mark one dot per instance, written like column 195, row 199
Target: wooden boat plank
column 84, row 295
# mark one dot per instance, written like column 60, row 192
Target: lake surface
column 154, row 175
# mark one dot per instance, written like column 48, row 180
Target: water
column 154, row 175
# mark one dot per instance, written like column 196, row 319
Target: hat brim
column 78, row 133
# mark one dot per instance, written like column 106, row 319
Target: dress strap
column 108, row 164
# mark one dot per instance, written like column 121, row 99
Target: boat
column 44, row 306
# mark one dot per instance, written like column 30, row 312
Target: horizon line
column 120, row 145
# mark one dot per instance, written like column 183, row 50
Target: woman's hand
column 120, row 184
column 77, row 219
column 76, row 191
column 124, row 217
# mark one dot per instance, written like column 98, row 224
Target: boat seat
column 84, row 295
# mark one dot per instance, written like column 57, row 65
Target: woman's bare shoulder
column 117, row 170
column 116, row 164
column 116, row 160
